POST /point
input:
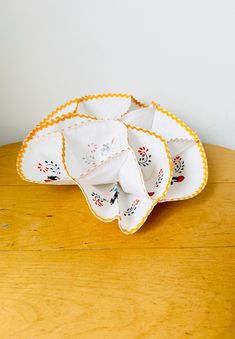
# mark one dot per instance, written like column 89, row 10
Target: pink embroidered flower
column 98, row 200
column 93, row 147
column 42, row 168
column 159, row 178
column 135, row 202
column 99, row 203
column 143, row 150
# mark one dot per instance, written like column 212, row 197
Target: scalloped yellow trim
column 30, row 136
column 133, row 230
column 91, row 97
column 49, row 122
column 200, row 147
column 46, row 123
column 57, row 110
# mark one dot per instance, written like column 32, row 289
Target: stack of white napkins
column 125, row 156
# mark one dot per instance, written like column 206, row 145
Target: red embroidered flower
column 42, row 168
column 143, row 150
column 135, row 202
column 99, row 203
column 176, row 159
column 180, row 178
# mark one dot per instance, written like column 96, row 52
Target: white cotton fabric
column 105, row 159
column 124, row 156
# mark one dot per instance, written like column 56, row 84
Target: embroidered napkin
column 123, row 171
column 125, row 156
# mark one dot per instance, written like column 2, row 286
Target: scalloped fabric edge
column 49, row 122
column 117, row 217
column 200, row 147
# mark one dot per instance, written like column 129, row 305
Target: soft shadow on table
column 161, row 211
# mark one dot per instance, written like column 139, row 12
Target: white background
column 180, row 53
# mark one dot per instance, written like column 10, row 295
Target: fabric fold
column 124, row 155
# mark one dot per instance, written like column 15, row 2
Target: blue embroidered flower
column 105, row 149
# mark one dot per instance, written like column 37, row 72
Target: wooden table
column 65, row 274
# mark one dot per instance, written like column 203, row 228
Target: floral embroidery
column 96, row 150
column 42, row 168
column 178, row 169
column 98, row 200
column 105, row 149
column 51, row 168
column 115, row 195
column 89, row 158
column 159, row 178
column 145, row 158
column 135, row 202
column 142, row 150
column 158, row 182
column 93, row 147
column 132, row 209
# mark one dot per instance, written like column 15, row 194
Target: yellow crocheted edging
column 38, row 128
column 111, row 95
column 133, row 230
column 82, row 99
column 141, row 175
column 48, row 121
column 58, row 109
column 91, row 97
column 200, row 147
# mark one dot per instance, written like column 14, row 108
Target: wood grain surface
column 65, row 274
